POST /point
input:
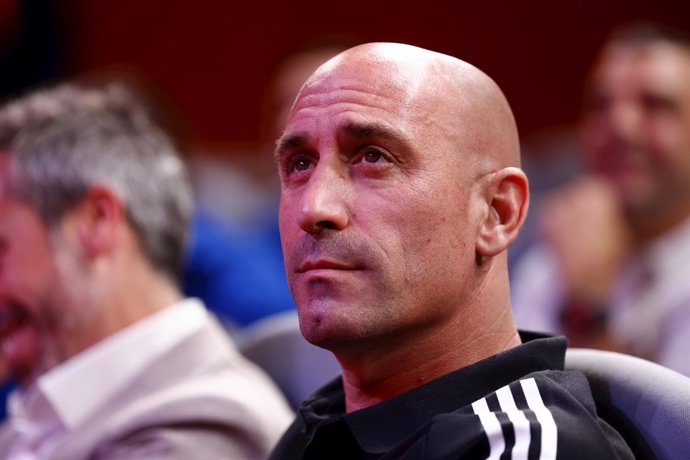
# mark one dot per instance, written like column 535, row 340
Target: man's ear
column 507, row 194
column 97, row 219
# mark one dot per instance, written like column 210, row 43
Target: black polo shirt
column 519, row 404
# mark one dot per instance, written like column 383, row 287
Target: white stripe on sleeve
column 519, row 421
column 492, row 427
column 549, row 433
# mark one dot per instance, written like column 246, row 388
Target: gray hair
column 64, row 140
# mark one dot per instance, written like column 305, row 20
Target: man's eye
column 299, row 164
column 373, row 156
column 656, row 103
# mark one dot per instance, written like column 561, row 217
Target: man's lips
column 311, row 265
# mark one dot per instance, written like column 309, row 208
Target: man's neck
column 126, row 297
column 381, row 373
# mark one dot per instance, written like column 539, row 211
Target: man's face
column 30, row 289
column 374, row 210
column 636, row 126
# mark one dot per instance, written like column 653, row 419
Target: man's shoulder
column 214, row 415
column 202, row 395
column 543, row 414
column 546, row 414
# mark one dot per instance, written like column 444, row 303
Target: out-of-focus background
column 221, row 73
column 212, row 60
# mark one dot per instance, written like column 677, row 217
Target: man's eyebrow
column 365, row 130
column 289, row 142
column 353, row 129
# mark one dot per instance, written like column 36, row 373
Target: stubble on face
column 34, row 294
column 416, row 254
column 325, row 273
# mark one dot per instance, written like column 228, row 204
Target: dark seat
column 647, row 403
column 298, row 367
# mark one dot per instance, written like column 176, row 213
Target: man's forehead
column 346, row 99
column 340, row 102
column 374, row 72
column 350, row 102
column 657, row 61
column 326, row 88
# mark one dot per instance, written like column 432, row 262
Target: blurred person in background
column 111, row 361
column 611, row 270
column 31, row 51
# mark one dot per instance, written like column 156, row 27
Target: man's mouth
column 12, row 318
column 323, row 264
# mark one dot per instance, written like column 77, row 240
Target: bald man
column 401, row 191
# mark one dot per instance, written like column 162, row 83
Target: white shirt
column 66, row 396
column 649, row 308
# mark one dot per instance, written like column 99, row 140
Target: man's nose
column 624, row 121
column 325, row 200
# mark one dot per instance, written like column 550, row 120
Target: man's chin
column 324, row 332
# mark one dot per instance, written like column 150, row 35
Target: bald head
column 439, row 93
column 399, row 197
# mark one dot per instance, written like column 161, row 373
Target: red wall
column 213, row 58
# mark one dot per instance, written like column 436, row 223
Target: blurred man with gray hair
column 111, row 361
